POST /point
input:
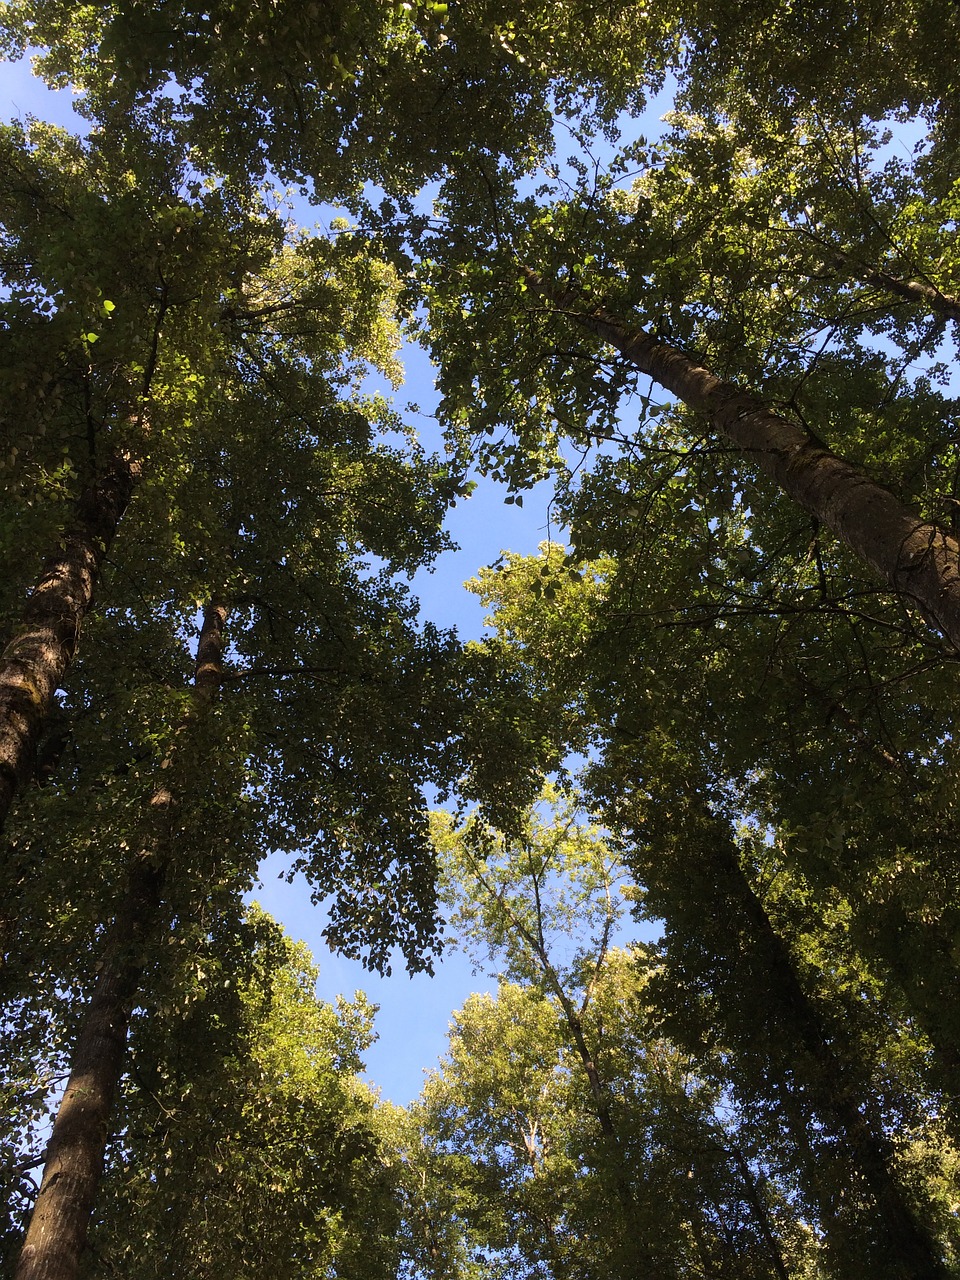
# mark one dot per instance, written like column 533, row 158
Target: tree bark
column 917, row 559
column 74, row 1160
column 34, row 662
column 943, row 305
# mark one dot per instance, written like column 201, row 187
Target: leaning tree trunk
column 943, row 305
column 760, row 1211
column 916, row 558
column 809, row 1070
column 836, row 1092
column 73, row 1167
column 639, row 1252
column 34, row 662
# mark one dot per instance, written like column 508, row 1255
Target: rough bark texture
column 34, row 662
column 208, row 669
column 74, row 1159
column 916, row 558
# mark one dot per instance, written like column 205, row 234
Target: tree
column 264, row 476
column 74, row 1156
column 596, row 1145
column 387, row 94
column 712, row 644
column 278, row 359
column 812, row 1068
column 746, row 246
column 917, row 559
column 292, row 1169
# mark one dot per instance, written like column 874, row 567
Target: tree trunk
column 917, row 559
column 943, row 305
column 640, row 1254
column 74, row 1159
column 835, row 1092
column 34, row 662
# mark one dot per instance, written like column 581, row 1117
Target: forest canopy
column 715, row 703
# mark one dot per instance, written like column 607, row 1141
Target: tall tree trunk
column 638, row 1249
column 837, row 1093
column 806, row 1066
column 916, row 558
column 74, row 1159
column 34, row 662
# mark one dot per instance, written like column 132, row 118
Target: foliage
column 580, row 1139
column 293, row 1158
column 765, row 733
